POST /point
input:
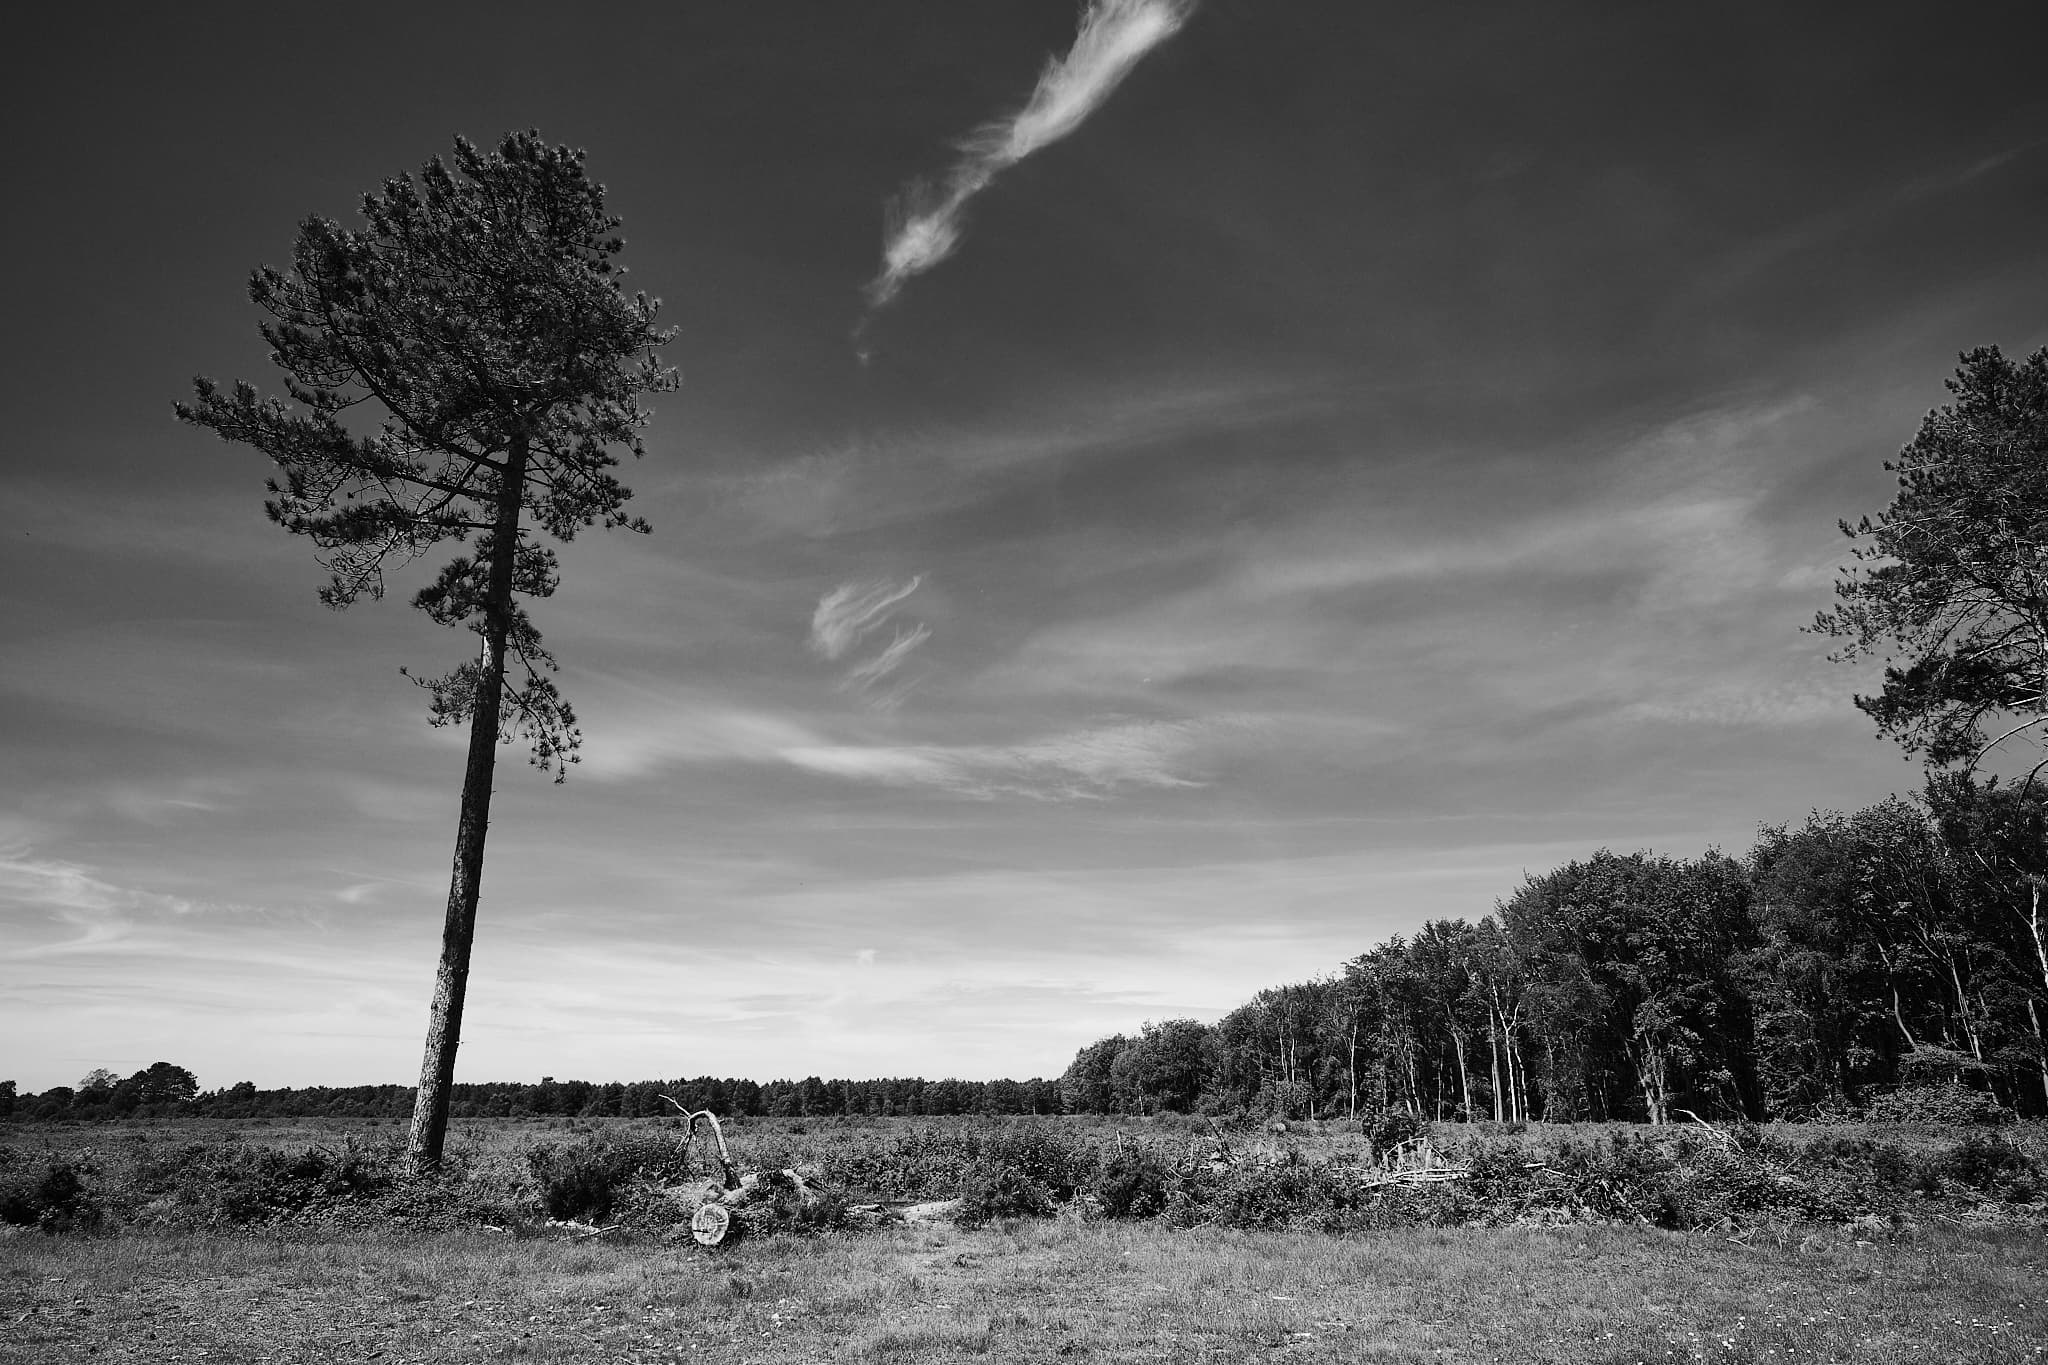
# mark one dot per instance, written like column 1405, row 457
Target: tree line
column 1837, row 961
column 101, row 1096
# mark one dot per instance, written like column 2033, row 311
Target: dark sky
column 1369, row 453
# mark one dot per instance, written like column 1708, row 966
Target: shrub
column 1390, row 1128
column 1623, row 1181
column 1983, row 1161
column 256, row 1185
column 1715, row 1185
column 1048, row 1153
column 1503, row 1187
column 587, row 1180
column 777, row 1202
column 1136, row 1182
column 576, row 1182
column 1949, row 1103
column 52, row 1196
column 927, row 1162
column 1291, row 1194
column 1001, row 1189
column 931, row 1162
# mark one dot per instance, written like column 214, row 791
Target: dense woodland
column 1839, row 961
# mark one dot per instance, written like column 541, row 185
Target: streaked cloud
column 93, row 911
column 871, row 671
column 924, row 223
column 851, row 610
column 905, row 476
column 1088, row 763
column 677, row 727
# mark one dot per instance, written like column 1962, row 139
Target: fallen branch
column 1434, row 1175
column 732, row 1179
column 1726, row 1142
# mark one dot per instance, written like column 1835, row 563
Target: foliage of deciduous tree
column 1950, row 584
column 1174, row 1058
column 467, row 367
column 1997, row 834
column 1639, row 950
column 1085, row 1088
column 1831, row 976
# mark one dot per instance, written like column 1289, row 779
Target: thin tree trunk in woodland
column 458, row 931
column 1514, row 1106
column 2041, row 954
column 1493, row 1042
column 1464, row 1076
column 1963, row 1014
column 1354, row 1066
column 2040, row 1047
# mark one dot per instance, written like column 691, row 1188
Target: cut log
column 710, row 1224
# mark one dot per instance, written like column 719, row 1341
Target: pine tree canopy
column 465, row 364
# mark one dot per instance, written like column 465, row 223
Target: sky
column 1163, row 497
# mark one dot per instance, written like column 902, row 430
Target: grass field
column 1963, row 1279
column 1031, row 1291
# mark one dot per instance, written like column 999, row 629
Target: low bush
column 234, row 1183
column 1001, row 1189
column 931, row 1162
column 1985, row 1161
column 1712, row 1186
column 777, row 1202
column 1390, row 1128
column 588, row 1180
column 1290, row 1194
column 921, row 1162
column 1947, row 1103
column 54, row 1195
column 1052, row 1155
column 1136, row 1182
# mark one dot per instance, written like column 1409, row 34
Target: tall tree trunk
column 1493, row 1043
column 1964, row 1015
column 1645, row 1060
column 2040, row 1050
column 1464, row 1076
column 1352, row 1055
column 1507, row 1030
column 458, row 929
column 2033, row 918
column 1891, row 979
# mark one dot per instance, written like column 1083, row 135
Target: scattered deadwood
column 571, row 1227
column 935, row 1211
column 1720, row 1136
column 723, row 1208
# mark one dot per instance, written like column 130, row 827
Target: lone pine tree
column 466, row 367
column 1950, row 583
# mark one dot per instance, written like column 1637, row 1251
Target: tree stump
column 710, row 1224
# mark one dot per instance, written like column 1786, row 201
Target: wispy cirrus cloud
column 871, row 671
column 924, row 222
column 94, row 910
column 685, row 729
column 913, row 474
column 1079, row 764
column 852, row 610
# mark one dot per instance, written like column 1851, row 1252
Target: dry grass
column 1044, row 1290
